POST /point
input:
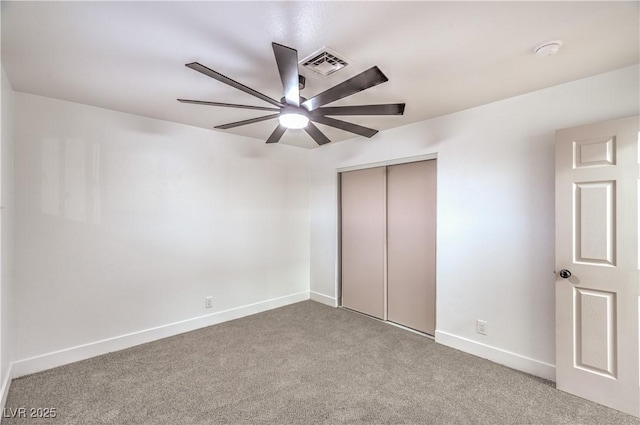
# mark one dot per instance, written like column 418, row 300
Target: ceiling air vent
column 324, row 61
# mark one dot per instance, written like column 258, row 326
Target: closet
column 388, row 243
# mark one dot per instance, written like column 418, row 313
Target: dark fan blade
column 213, row 74
column 227, row 105
column 388, row 109
column 346, row 126
column 287, row 60
column 316, row 134
column 245, row 122
column 364, row 80
column 277, row 134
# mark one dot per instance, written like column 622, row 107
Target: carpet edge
column 323, row 299
column 498, row 355
column 81, row 352
column 6, row 383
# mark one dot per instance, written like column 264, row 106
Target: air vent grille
column 324, row 61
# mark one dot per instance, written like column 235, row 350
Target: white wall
column 6, row 235
column 126, row 223
column 495, row 247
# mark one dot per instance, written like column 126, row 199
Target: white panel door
column 597, row 285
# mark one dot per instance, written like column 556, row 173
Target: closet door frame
column 339, row 171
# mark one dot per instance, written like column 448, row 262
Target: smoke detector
column 547, row 49
column 325, row 61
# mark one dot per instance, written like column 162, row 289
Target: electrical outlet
column 208, row 302
column 481, row 327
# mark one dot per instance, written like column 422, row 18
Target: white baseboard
column 498, row 355
column 324, row 299
column 81, row 352
column 4, row 390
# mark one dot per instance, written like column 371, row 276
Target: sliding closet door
column 411, row 245
column 363, row 240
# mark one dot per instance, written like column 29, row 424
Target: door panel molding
column 594, row 209
column 594, row 153
column 595, row 321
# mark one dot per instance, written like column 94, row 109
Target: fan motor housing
column 284, row 100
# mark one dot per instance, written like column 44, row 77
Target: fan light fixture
column 293, row 120
column 294, row 111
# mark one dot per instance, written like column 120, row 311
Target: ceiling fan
column 294, row 111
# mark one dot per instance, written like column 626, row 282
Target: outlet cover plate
column 481, row 327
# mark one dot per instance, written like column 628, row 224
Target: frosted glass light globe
column 293, row 120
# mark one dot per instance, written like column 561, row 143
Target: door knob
column 565, row 274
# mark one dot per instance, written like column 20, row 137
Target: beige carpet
column 301, row 364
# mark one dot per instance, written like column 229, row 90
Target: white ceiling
column 440, row 57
